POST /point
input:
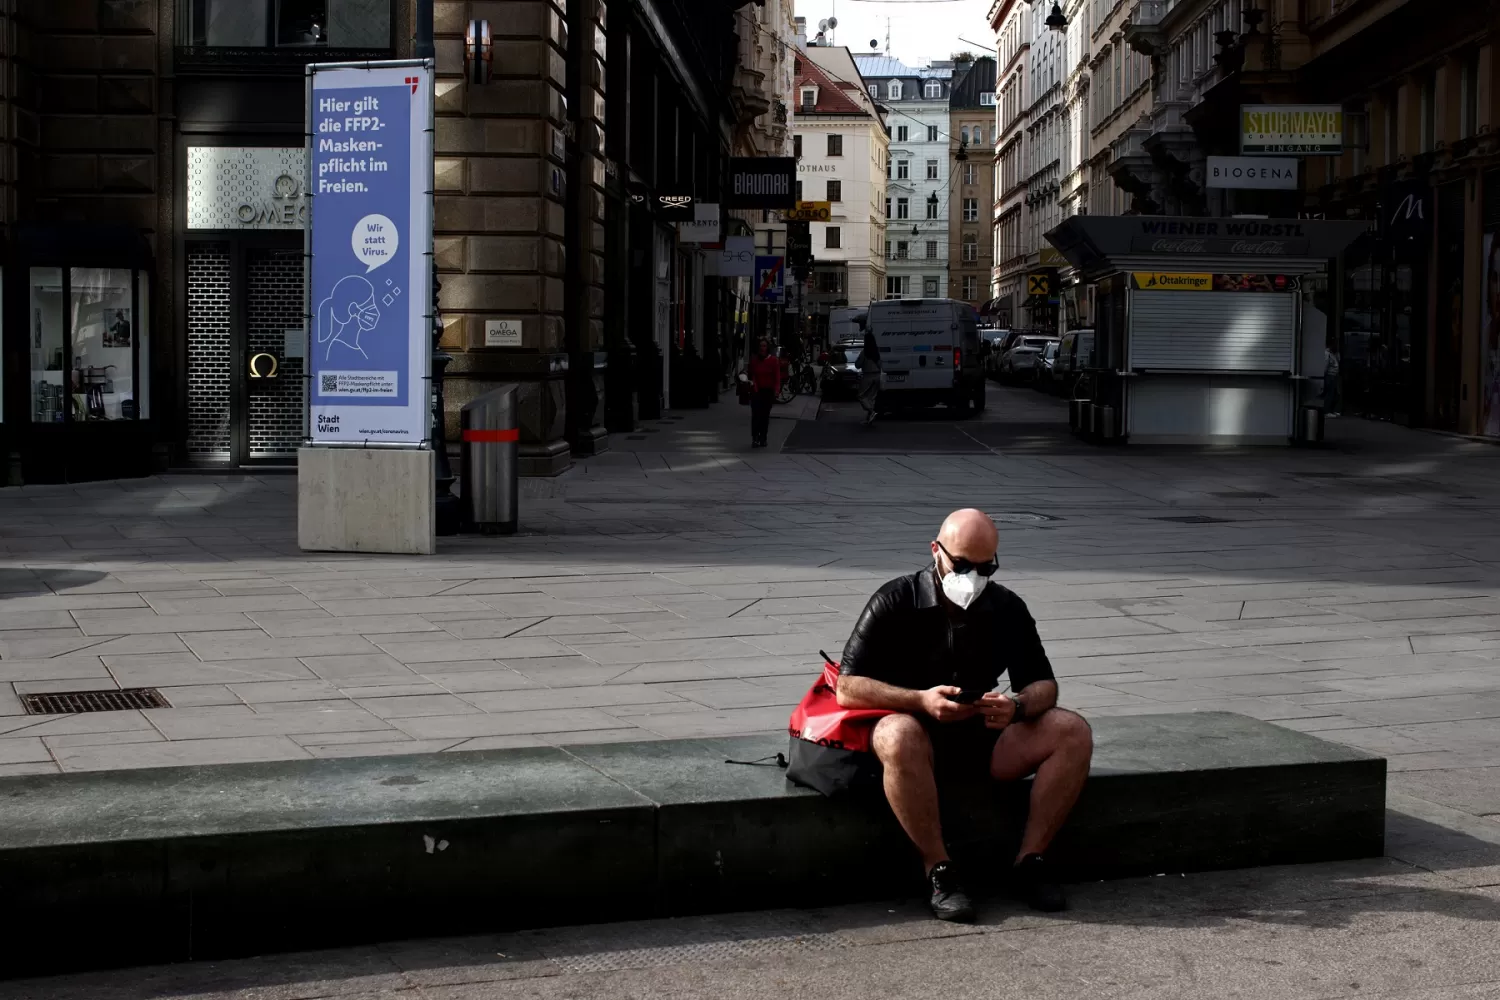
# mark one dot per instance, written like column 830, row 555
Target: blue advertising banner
column 370, row 292
column 770, row 280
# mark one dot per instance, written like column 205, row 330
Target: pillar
column 499, row 218
column 585, row 221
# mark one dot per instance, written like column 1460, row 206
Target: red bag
column 830, row 745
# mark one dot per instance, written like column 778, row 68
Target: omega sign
column 285, row 206
column 246, row 187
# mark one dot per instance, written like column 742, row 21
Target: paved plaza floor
column 683, row 584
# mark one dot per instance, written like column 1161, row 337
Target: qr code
column 330, row 383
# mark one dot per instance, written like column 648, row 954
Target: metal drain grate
column 1195, row 519
column 76, row 702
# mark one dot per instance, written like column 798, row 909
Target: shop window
column 87, row 330
column 331, row 24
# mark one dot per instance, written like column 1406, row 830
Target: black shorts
column 961, row 749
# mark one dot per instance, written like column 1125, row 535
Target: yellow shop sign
column 1171, row 281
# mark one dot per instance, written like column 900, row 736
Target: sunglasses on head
column 962, row 565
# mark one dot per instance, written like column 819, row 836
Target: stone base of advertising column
column 366, row 500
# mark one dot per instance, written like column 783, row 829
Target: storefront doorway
column 245, row 349
column 243, row 304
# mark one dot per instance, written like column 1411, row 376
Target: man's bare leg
column 1057, row 746
column 905, row 753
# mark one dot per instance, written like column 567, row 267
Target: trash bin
column 490, row 431
column 1310, row 427
column 1078, row 415
column 1104, row 422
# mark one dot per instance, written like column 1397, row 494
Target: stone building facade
column 971, row 142
column 153, row 167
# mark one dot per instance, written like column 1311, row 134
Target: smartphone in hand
column 967, row 697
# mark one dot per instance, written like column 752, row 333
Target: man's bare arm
column 1038, row 696
column 1000, row 709
column 865, row 692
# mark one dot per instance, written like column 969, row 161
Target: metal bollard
column 491, row 477
column 1077, row 410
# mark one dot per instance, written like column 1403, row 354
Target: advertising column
column 366, row 480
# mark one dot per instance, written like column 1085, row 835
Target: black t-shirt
column 909, row 635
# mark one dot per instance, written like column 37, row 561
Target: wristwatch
column 1020, row 713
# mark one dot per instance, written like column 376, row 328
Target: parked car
column 1020, row 361
column 841, row 372
column 1074, row 354
column 929, row 354
column 1042, row 377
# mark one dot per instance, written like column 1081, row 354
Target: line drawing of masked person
column 348, row 311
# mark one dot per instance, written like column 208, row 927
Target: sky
column 920, row 29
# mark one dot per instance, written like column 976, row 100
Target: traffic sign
column 770, row 280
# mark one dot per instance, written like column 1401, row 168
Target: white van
column 845, row 325
column 929, row 353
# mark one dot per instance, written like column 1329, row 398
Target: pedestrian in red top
column 765, row 383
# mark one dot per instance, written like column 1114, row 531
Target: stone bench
column 126, row 867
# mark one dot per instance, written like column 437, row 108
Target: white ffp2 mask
column 963, row 589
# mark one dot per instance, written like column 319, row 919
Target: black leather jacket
column 911, row 636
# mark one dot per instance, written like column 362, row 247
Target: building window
column 903, row 170
column 903, row 208
column 932, row 133
column 875, row 90
column 89, row 345
column 971, row 209
column 969, row 173
column 888, row 215
column 835, row 145
column 932, row 208
column 903, row 249
column 930, row 287
column 964, row 135
column 970, row 249
column 932, row 170
column 901, row 132
column 809, row 97
column 971, row 287
column 932, row 90
column 1468, row 119
column 887, row 249
column 1429, row 112
column 797, row 146
column 894, row 285
column 895, row 90
column 295, row 24
column 799, row 190
column 835, row 190
column 833, row 236
column 986, row 100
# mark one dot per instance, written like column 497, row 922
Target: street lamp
column 1055, row 20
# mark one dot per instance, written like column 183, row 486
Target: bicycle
column 800, row 380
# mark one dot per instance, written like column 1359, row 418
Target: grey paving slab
column 228, row 749
column 724, row 573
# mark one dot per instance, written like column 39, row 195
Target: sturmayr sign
column 761, row 182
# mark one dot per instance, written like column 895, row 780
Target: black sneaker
column 949, row 901
column 1036, row 883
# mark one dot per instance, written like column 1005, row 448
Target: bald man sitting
column 931, row 647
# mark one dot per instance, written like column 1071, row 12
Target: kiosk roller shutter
column 1212, row 331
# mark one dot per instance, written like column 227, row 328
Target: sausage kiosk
column 1201, row 331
